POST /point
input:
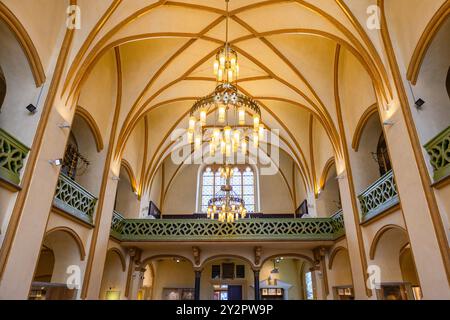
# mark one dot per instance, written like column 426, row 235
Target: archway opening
column 340, row 275
column 167, row 278
column 58, row 273
column 397, row 276
column 227, row 279
column 287, row 278
column 114, row 276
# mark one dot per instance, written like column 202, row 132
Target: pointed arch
column 326, row 170
column 379, row 235
column 25, row 42
column 92, row 124
column 362, row 124
column 333, row 255
column 129, row 170
column 73, row 235
column 121, row 257
column 425, row 41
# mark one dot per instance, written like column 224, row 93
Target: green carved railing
column 379, row 197
column 12, row 155
column 117, row 224
column 439, row 151
column 265, row 229
column 337, row 220
column 74, row 199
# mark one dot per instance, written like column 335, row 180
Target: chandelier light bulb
column 212, row 149
column 228, row 150
column 230, row 75
column 216, row 67
column 241, row 116
column 222, row 114
column 222, row 60
column 235, row 145
column 244, row 147
column 192, row 121
column 220, row 75
column 255, row 140
column 227, row 134
column 237, row 136
column 216, row 135
column 203, row 118
column 190, row 136
column 256, row 122
column 261, row 132
column 223, row 147
column 198, row 142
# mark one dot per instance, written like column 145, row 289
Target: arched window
column 243, row 182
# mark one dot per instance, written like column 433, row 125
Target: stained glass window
column 242, row 181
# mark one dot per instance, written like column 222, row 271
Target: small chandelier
column 230, row 131
column 226, row 206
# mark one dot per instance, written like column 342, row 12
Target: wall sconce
column 64, row 125
column 31, row 108
column 56, row 162
column 115, row 178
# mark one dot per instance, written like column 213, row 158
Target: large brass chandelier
column 231, row 131
column 226, row 205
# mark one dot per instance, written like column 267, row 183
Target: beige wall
column 127, row 203
column 169, row 274
column 114, row 278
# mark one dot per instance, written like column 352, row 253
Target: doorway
column 225, row 292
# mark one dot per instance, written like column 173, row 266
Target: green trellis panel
column 312, row 229
column 379, row 197
column 74, row 199
column 439, row 151
column 12, row 155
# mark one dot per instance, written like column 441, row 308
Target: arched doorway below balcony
column 59, row 270
column 392, row 265
column 227, row 278
column 288, row 277
column 114, row 276
column 340, row 274
column 167, row 278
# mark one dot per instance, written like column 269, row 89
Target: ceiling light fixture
column 226, row 205
column 231, row 129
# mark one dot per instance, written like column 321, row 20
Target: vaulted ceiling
column 287, row 52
